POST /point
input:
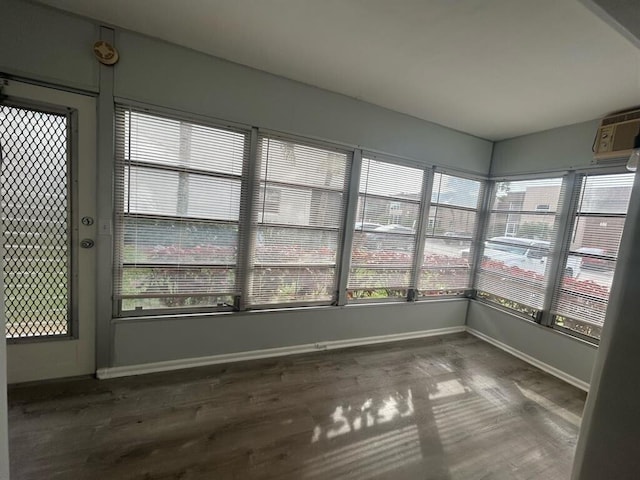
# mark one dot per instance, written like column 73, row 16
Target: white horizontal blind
column 451, row 228
column 300, row 214
column 580, row 303
column 519, row 243
column 178, row 188
column 385, row 231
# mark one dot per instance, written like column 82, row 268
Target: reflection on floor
column 451, row 407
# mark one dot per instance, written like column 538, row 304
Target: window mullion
column 247, row 224
column 481, row 229
column 566, row 216
column 421, row 233
column 349, row 226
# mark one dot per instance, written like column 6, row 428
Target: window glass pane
column 445, row 267
column 451, row 222
column 158, row 192
column 519, row 242
column 386, row 215
column 606, row 193
column 390, row 180
column 385, row 238
column 165, row 141
column 528, row 195
column 277, row 245
column 293, row 163
column 292, row 284
column 300, row 186
column 450, row 190
column 289, row 205
column 173, row 241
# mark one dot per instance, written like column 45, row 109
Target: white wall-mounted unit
column 616, row 134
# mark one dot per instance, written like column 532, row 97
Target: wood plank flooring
column 451, row 407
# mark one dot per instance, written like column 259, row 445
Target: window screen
column 580, row 303
column 178, row 189
column 300, row 213
column 35, row 219
column 385, row 230
column 519, row 243
column 446, row 266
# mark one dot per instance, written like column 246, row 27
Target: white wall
column 558, row 149
column 567, row 354
column 146, row 341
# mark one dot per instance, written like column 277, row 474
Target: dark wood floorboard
column 451, row 407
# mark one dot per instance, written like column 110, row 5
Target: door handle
column 87, row 243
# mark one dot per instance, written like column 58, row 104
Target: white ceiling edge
column 509, row 69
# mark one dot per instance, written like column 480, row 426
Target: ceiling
column 492, row 68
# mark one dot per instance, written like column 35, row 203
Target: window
column 300, row 216
column 385, row 238
column 446, row 266
column 580, row 302
column 519, row 243
column 178, row 189
column 36, row 222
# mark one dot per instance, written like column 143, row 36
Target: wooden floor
column 451, row 407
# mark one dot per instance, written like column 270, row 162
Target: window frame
column 527, row 312
column 567, row 214
column 254, row 224
column 549, row 318
column 418, row 243
column 123, row 106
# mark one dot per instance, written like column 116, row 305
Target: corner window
column 518, row 244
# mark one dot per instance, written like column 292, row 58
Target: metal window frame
column 341, row 230
column 123, row 105
column 417, row 241
column 428, row 178
column 572, row 183
column 549, row 319
column 485, row 217
column 351, row 211
column 71, row 116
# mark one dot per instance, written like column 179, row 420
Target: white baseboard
column 113, row 372
column 576, row 382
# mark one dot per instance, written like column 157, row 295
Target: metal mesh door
column 35, row 218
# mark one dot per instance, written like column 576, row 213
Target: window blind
column 385, row 230
column 300, row 214
column 178, row 189
column 519, row 243
column 580, row 302
column 451, row 227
